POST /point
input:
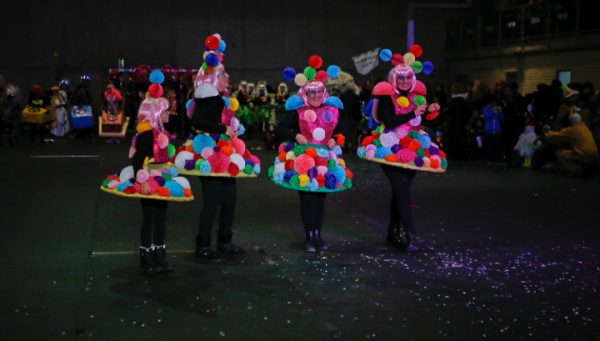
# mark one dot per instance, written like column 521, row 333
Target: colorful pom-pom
column 333, row 71
column 318, row 134
column 310, row 115
column 219, row 162
column 235, row 104
column 212, row 42
column 315, row 61
column 419, row 100
column 233, row 169
column 289, row 73
column 403, row 101
column 304, row 180
column 303, row 163
column 385, row 55
column 205, row 168
column 300, row 80
column 417, row 66
column 155, row 90
column 416, row 50
column 163, row 192
column 428, row 68
column 322, row 76
column 406, row 155
column 222, row 46
column 397, row 59
column 310, row 73
column 409, row 58
column 175, row 188
column 171, row 151
column 311, row 151
column 202, row 141
column 142, row 175
column 157, row 77
column 227, row 102
column 330, row 181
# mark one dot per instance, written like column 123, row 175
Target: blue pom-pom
column 227, row 101
column 330, row 180
column 157, row 76
column 222, row 46
column 288, row 175
column 289, row 73
column 385, row 55
column 340, row 173
column 428, row 68
column 257, row 169
column 278, row 177
column 175, row 188
column 382, row 152
column 241, row 129
column 205, row 167
column 212, row 59
column 424, row 140
column 188, row 103
column 313, row 185
column 368, row 109
column 124, row 185
column 333, row 71
column 294, row 102
column 334, row 102
column 321, row 152
column 396, row 148
column 337, row 150
column 361, row 152
column 202, row 141
column 173, row 171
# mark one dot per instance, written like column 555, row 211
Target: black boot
column 394, row 237
column 162, row 265
column 311, row 241
column 321, row 244
column 147, row 261
column 230, row 248
column 203, row 250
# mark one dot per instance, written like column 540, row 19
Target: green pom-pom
column 295, row 181
column 444, row 163
column 419, row 100
column 172, row 150
column 421, row 152
column 167, row 177
column 204, row 66
column 379, row 129
column 413, row 134
column 248, row 170
column 224, row 137
column 299, row 150
column 310, row 73
column 417, row 66
column 330, row 165
column 106, row 182
column 198, row 163
column 347, row 183
column 377, row 143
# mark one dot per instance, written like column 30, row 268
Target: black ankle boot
column 311, row 241
column 394, row 237
column 321, row 244
column 162, row 265
column 147, row 261
column 230, row 248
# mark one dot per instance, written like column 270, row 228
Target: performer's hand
column 433, row 107
column 145, row 188
column 301, row 139
column 331, row 143
column 420, row 110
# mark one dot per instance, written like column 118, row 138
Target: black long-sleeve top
column 207, row 115
column 289, row 126
column 144, row 147
column 386, row 113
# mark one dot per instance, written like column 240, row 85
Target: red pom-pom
column 405, row 141
column 417, row 50
column 129, row 190
column 189, row 148
column 414, row 145
column 420, row 88
column 233, row 170
column 227, row 150
column 282, row 156
column 322, row 76
column 219, row 162
column 321, row 161
column 391, row 158
column 432, row 115
column 340, row 139
column 155, row 90
column 197, row 156
column 315, row 61
column 349, row 174
column 368, row 140
column 113, row 177
column 212, row 42
column 303, row 163
column 187, row 192
column 310, row 151
column 222, row 143
column 321, row 180
column 442, row 154
column 397, row 59
column 289, row 164
column 427, row 153
column 164, row 192
column 247, row 155
column 435, row 163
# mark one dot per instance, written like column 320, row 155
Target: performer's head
column 154, row 111
column 217, row 77
column 403, row 78
column 313, row 93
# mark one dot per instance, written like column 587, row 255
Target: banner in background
column 367, row 61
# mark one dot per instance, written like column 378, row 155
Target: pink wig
column 313, row 85
column 405, row 71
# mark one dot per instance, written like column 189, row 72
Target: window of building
column 564, row 76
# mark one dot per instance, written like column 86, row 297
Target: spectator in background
column 514, row 119
column 350, row 115
column 12, row 112
column 365, row 92
column 456, row 117
column 493, row 117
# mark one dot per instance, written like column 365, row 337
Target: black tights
column 217, row 193
column 400, row 211
column 312, row 206
column 154, row 222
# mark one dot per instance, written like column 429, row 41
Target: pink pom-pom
column 155, row 172
column 255, row 160
column 281, row 148
column 238, row 145
column 219, row 162
column 137, row 187
column 207, row 152
column 153, row 185
column 371, row 147
column 303, row 163
column 406, row 155
column 388, row 139
column 383, row 88
column 426, row 162
column 321, row 170
column 142, row 176
column 420, row 89
column 113, row 184
column 370, row 154
column 402, row 131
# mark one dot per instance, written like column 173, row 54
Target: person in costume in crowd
column 399, row 143
column 82, row 99
column 310, row 163
column 263, row 107
column 38, row 99
column 58, row 105
column 215, row 153
column 278, row 111
column 112, row 110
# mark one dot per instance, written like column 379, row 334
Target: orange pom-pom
column 227, row 150
column 282, row 156
column 222, row 143
column 349, row 174
column 405, row 141
column 164, row 192
column 391, row 158
column 310, row 151
column 340, row 139
column 189, row 148
column 188, row 192
column 414, row 145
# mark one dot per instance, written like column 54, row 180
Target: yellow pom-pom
column 409, row 58
column 235, row 105
column 304, row 180
column 403, row 101
column 342, row 162
column 290, row 155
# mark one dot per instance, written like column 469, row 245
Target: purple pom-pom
column 189, row 164
column 160, row 180
column 313, row 172
column 217, row 149
column 330, row 180
column 434, row 150
column 289, row 146
column 418, row 162
column 288, row 175
column 249, row 162
column 215, row 136
column 396, row 148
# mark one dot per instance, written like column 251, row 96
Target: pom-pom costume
column 58, row 108
column 527, row 145
column 215, row 153
column 311, row 161
column 399, row 143
column 151, row 178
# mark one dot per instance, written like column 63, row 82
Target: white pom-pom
column 182, row 157
column 238, row 160
column 182, row 181
column 126, row 174
column 318, row 134
column 300, row 79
